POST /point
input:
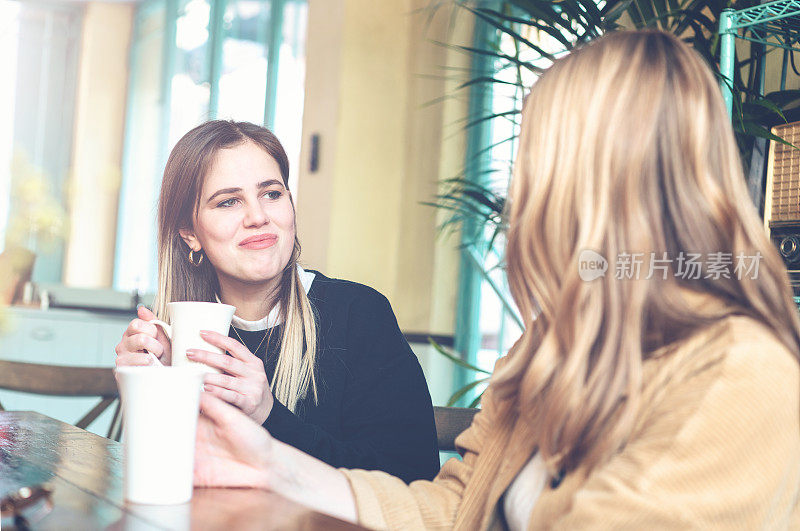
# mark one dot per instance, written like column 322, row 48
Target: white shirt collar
column 273, row 318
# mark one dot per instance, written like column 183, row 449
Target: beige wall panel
column 444, row 282
column 320, row 116
column 370, row 165
column 372, row 68
column 426, row 283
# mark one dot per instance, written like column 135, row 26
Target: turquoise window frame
column 477, row 162
column 475, row 245
column 271, row 39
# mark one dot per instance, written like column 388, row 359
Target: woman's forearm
column 309, row 481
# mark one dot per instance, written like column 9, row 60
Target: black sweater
column 374, row 410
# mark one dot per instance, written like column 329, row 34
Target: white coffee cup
column 140, row 517
column 188, row 318
column 160, row 406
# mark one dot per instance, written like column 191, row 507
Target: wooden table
column 84, row 472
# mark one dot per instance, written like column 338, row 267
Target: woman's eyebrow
column 263, row 184
column 224, row 191
column 270, row 182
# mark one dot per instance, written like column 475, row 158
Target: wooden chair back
column 450, row 422
column 59, row 380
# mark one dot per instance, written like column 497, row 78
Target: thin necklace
column 259, row 345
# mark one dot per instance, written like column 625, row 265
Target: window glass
column 190, row 85
column 9, row 37
column 243, row 77
column 144, row 152
column 288, row 116
column 39, row 47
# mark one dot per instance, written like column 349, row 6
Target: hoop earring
column 191, row 258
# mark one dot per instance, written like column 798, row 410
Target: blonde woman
column 319, row 362
column 649, row 401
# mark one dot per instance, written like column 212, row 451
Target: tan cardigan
column 717, row 446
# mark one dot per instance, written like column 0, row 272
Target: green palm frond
column 460, row 393
column 454, row 357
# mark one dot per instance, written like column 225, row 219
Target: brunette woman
column 320, row 363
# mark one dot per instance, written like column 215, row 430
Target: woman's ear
column 190, row 239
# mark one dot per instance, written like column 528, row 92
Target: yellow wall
column 97, row 145
column 383, row 152
column 320, row 117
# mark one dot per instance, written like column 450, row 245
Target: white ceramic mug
column 160, row 406
column 187, row 319
column 140, row 517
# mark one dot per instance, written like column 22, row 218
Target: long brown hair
column 179, row 280
column 625, row 146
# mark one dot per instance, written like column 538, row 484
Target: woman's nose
column 255, row 215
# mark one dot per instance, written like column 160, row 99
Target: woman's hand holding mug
column 142, row 341
column 243, row 381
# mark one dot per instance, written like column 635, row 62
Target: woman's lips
column 259, row 242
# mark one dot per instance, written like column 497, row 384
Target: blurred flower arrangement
column 38, row 218
column 36, row 224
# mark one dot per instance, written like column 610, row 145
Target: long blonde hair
column 625, row 147
column 179, row 280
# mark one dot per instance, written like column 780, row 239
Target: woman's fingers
column 248, row 394
column 236, row 349
column 217, row 411
column 228, row 395
column 231, row 450
column 143, row 336
column 135, row 359
column 227, row 382
column 243, row 386
column 144, row 342
column 140, row 326
column 144, row 313
column 139, row 343
column 222, row 362
column 244, row 383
